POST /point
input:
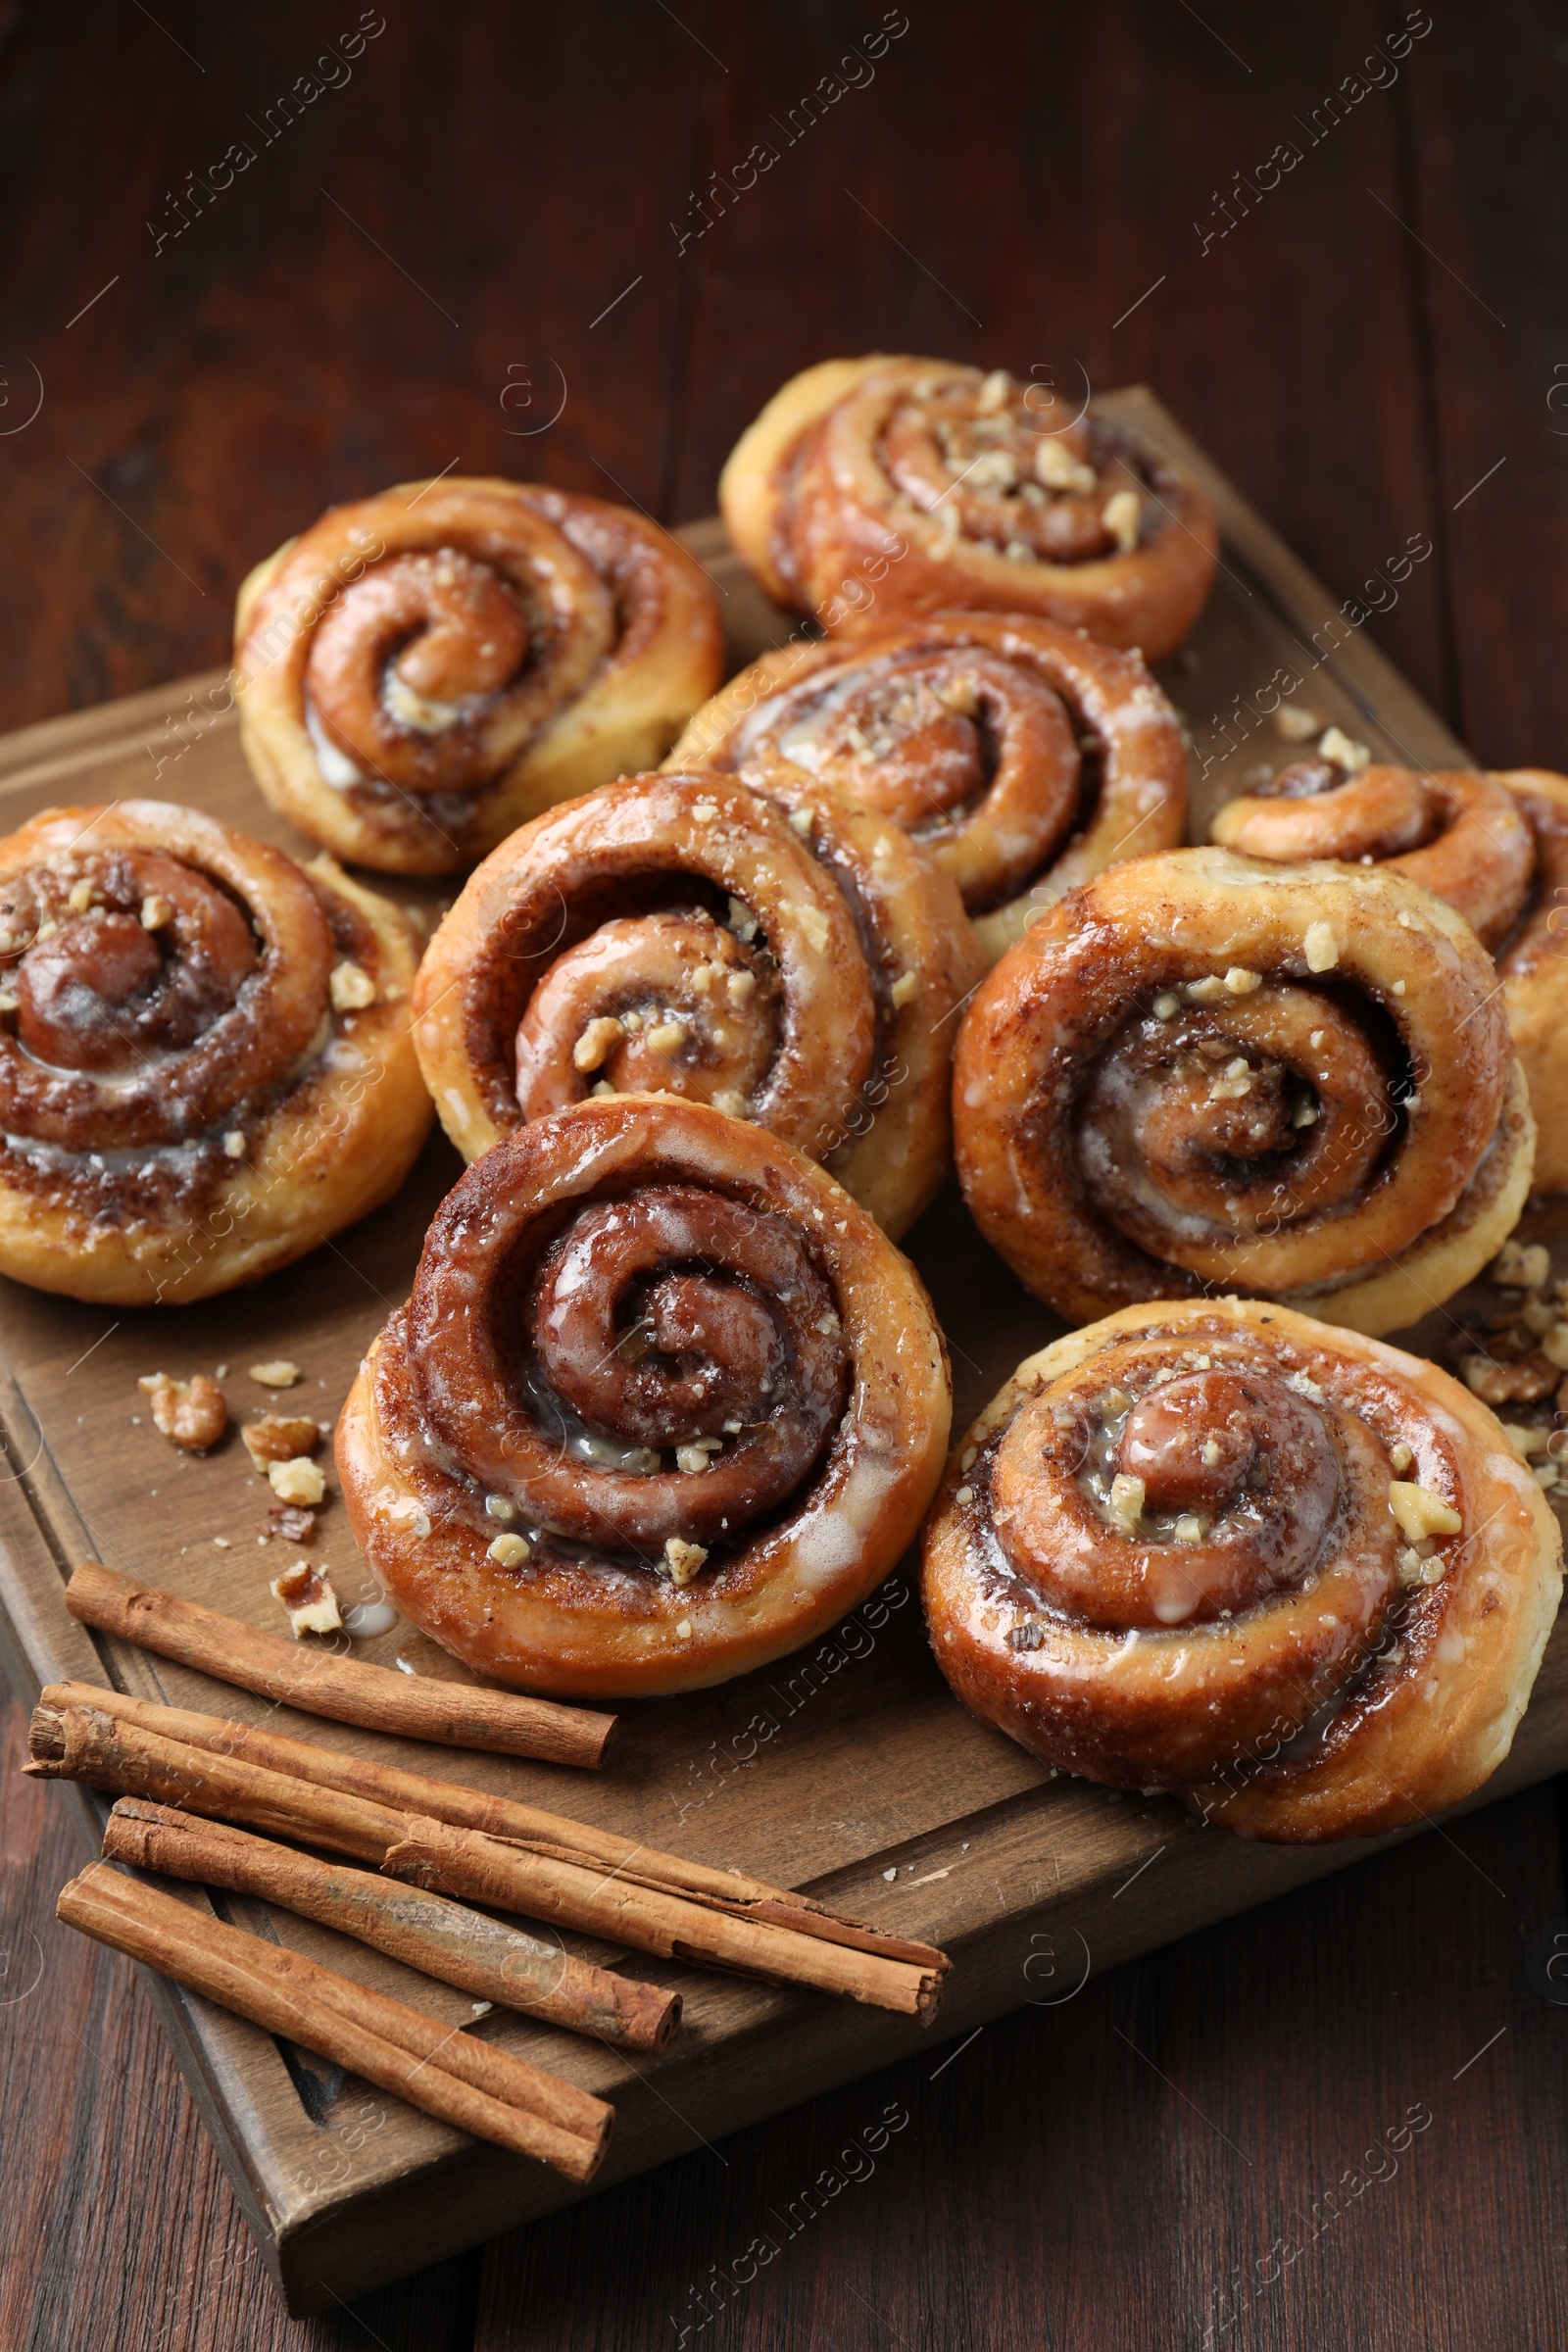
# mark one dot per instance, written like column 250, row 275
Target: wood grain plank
column 357, row 296
column 1492, row 253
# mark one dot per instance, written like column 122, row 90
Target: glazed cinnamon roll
column 680, row 935
column 1204, row 1073
column 910, row 485
column 664, row 1404
column 1294, row 1575
column 1458, row 833
column 1495, row 846
column 424, row 671
column 1022, row 756
column 205, row 1061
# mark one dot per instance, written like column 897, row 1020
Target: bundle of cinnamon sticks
column 519, row 1860
column 186, row 1781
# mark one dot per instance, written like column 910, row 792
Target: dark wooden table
column 488, row 238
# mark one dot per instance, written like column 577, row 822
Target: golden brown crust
column 1202, row 1072
column 215, row 1106
column 532, row 1491
column 680, row 934
column 1022, row 756
column 1243, row 1618
column 902, row 484
column 425, row 669
column 1535, row 973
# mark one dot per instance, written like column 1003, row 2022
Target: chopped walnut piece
column 1521, row 1383
column 1334, row 744
column 1122, row 517
column 351, row 988
column 190, row 1411
column 292, row 1522
column 509, row 1551
column 309, row 1598
column 280, row 1438
column 597, row 1043
column 1322, row 948
column 1295, row 723
column 1420, row 1512
column 681, row 1560
column 1126, row 1502
column 1554, row 1346
column 1522, row 1265
column 298, row 1480
column 278, row 1374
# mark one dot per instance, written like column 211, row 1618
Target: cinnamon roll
column 680, row 935
column 1202, row 1073
column 1493, row 846
column 424, row 671
column 664, row 1404
column 1022, row 756
column 1213, row 1546
column 205, row 1059
column 910, row 485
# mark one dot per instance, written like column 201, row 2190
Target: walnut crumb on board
column 307, row 1596
column 280, row 1438
column 298, row 1480
column 192, row 1413
column 279, row 1373
column 292, row 1522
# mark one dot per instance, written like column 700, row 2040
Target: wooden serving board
column 848, row 1769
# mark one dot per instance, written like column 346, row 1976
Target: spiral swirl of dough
column 664, row 1405
column 1022, row 756
column 1218, row 1547
column 908, row 485
column 190, row 1029
column 681, row 935
column 424, row 671
column 1202, row 1072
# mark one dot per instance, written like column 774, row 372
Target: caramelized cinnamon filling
column 671, row 1323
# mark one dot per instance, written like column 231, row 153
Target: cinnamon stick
column 445, row 1939
column 87, row 1744
column 471, row 2084
column 499, row 1816
column 84, row 1743
column 516, row 1877
column 344, row 1689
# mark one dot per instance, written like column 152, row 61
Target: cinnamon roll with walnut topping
column 425, row 669
column 1493, row 846
column 205, row 1061
column 1294, row 1575
column 664, row 1405
column 680, row 935
column 1204, row 1073
column 1022, row 756
column 910, row 485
